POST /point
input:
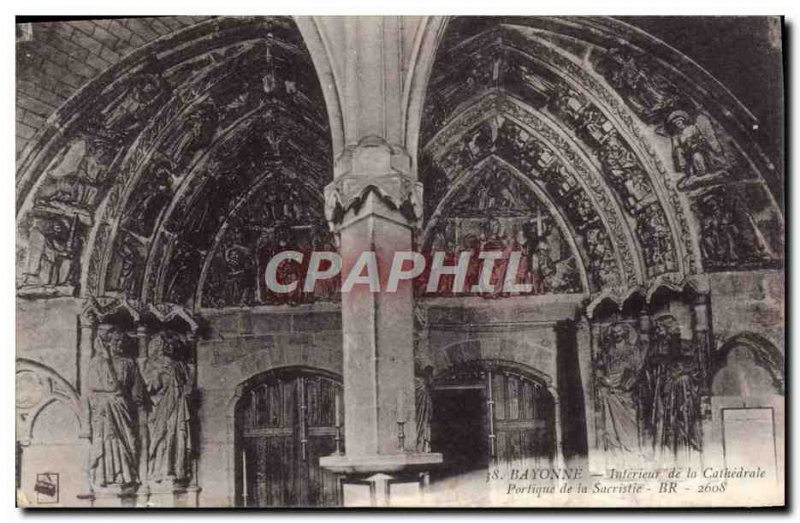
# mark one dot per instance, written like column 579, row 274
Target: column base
column 172, row 494
column 115, row 496
column 382, row 480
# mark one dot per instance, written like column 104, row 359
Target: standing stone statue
column 116, row 388
column 618, row 371
column 672, row 393
column 170, row 383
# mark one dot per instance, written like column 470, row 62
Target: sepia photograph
column 400, row 261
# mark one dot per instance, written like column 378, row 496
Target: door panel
column 524, row 418
column 285, row 423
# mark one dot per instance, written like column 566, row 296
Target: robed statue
column 618, row 370
column 170, row 384
column 116, row 389
column 671, row 392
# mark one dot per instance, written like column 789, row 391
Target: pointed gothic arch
column 196, row 117
column 626, row 102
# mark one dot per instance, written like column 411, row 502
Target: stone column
column 583, row 337
column 646, row 442
column 701, row 316
column 597, row 464
column 87, row 323
column 374, row 205
column 702, row 337
column 143, row 492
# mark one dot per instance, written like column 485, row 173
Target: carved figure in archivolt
column 78, row 174
column 143, row 95
column 115, row 390
column 155, row 194
column 169, row 383
column 618, row 371
column 644, row 89
column 731, row 234
column 696, row 151
column 493, row 238
column 52, row 246
column 622, row 169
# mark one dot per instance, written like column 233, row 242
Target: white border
column 790, row 8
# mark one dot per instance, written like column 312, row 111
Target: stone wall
column 757, row 296
column 47, row 332
column 514, row 329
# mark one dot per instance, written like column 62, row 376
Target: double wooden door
column 487, row 413
column 285, row 422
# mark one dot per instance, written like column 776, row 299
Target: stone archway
column 748, row 365
column 607, row 151
column 219, row 134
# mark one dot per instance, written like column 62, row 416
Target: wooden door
column 524, row 419
column 517, row 418
column 285, row 423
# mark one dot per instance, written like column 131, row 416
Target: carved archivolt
column 187, row 119
column 121, row 177
column 668, row 146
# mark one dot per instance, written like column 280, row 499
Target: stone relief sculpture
column 156, row 191
column 646, row 91
column 730, row 233
column 618, row 374
column 496, row 212
column 141, row 97
column 79, row 171
column 648, row 391
column 141, row 411
column 696, row 151
column 170, row 384
column 115, row 389
column 195, row 166
column 624, row 171
column 52, row 245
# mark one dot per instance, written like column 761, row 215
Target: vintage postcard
column 396, row 261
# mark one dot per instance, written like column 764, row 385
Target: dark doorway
column 488, row 411
column 459, row 430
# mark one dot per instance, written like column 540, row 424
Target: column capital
column 373, row 167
